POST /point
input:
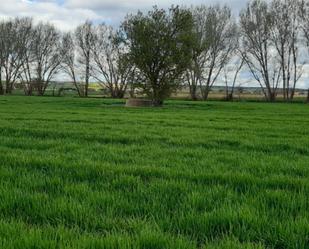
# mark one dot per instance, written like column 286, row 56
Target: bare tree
column 70, row 66
column 111, row 66
column 304, row 23
column 46, row 55
column 215, row 40
column 84, row 41
column 13, row 38
column 200, row 48
column 304, row 15
column 27, row 68
column 285, row 36
column 42, row 59
column 256, row 22
column 231, row 73
column 3, row 29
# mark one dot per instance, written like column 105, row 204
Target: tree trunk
column 40, row 86
column 87, row 73
column 8, row 87
column 206, row 93
column 272, row 96
column 208, row 85
column 193, row 90
column 40, row 92
column 308, row 96
column 230, row 97
column 132, row 91
column 8, row 91
column 1, row 85
column 117, row 94
column 86, row 88
column 157, row 102
column 28, row 90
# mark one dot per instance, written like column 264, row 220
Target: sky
column 67, row 14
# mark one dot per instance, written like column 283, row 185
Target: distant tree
column 231, row 73
column 285, row 36
column 200, row 47
column 77, row 56
column 215, row 39
column 160, row 47
column 84, row 41
column 27, row 69
column 304, row 24
column 42, row 58
column 70, row 66
column 13, row 39
column 111, row 66
column 304, row 17
column 257, row 22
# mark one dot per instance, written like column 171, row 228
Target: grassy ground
column 88, row 173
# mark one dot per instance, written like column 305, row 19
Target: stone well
column 139, row 103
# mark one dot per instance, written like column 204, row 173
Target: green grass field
column 89, row 173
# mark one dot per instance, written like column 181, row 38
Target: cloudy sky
column 67, row 14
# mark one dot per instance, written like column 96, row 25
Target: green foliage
column 160, row 45
column 88, row 173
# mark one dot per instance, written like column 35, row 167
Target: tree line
column 162, row 50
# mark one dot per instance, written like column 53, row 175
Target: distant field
column 217, row 93
column 89, row 173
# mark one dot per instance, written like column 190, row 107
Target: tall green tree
column 160, row 47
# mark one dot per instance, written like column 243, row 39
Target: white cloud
column 67, row 14
column 116, row 10
column 51, row 11
column 140, row 4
